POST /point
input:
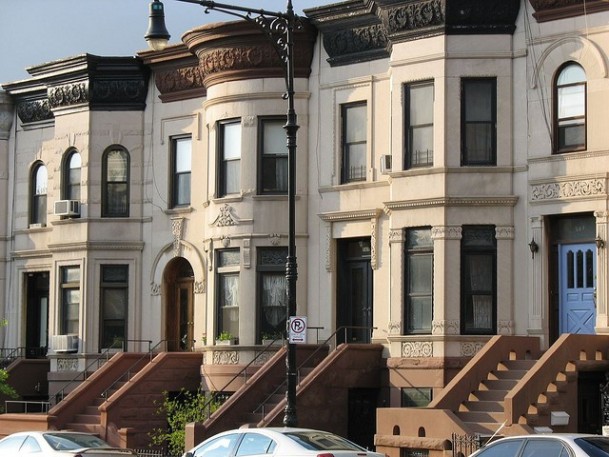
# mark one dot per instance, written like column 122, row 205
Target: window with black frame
column 114, row 301
column 478, row 280
column 181, row 165
column 273, row 156
column 419, row 281
column 70, row 300
column 227, row 298
column 272, row 292
column 354, row 142
column 479, row 121
column 229, row 157
column 418, row 103
column 72, row 176
column 38, row 204
column 570, row 109
column 115, row 192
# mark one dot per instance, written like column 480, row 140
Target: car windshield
column 597, row 446
column 71, row 441
column 323, row 441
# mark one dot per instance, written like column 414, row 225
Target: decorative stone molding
column 445, row 327
column 551, row 10
column 417, row 349
column 99, row 83
column 357, row 31
column 177, row 227
column 568, row 189
column 394, row 327
column 505, row 327
column 225, row 357
column 396, row 236
column 471, row 348
column 232, row 51
column 155, row 289
column 67, row 364
column 180, row 83
column 225, row 241
column 226, row 217
column 275, row 239
column 247, row 253
column 504, row 233
column 447, row 232
column 6, row 115
column 199, row 287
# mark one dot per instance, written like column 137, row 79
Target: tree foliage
column 5, row 389
column 181, row 409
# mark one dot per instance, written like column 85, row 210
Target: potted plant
column 226, row 339
column 271, row 338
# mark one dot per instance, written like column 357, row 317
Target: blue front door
column 577, row 284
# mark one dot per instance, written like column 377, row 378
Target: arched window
column 570, row 109
column 71, row 176
column 38, row 203
column 115, row 182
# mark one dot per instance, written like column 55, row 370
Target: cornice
column 508, row 201
column 94, row 82
column 340, row 216
column 364, row 30
column 551, row 10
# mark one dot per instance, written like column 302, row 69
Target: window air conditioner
column 67, row 208
column 64, row 343
column 385, row 164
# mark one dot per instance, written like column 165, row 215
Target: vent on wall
column 67, row 208
column 64, row 343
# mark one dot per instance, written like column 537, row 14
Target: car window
column 501, row 449
column 544, row 448
column 323, row 441
column 597, row 446
column 71, row 441
column 11, row 444
column 30, row 446
column 255, row 444
column 218, row 447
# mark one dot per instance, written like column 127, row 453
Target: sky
column 33, row 32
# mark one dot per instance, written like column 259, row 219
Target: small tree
column 5, row 389
column 179, row 410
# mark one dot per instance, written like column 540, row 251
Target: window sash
column 479, row 124
column 114, row 304
column 182, row 165
column 273, row 157
column 570, row 108
column 230, row 158
column 116, row 184
column 419, row 281
column 419, row 124
column 354, row 142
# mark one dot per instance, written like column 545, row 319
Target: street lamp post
column 279, row 27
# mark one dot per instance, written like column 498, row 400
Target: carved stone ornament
column 568, row 189
column 34, row 111
column 394, row 327
column 417, row 349
column 6, row 115
column 155, row 289
column 67, row 364
column 445, row 327
column 471, row 348
column 505, row 327
column 225, row 357
column 366, row 30
column 199, row 287
column 226, row 218
column 178, row 83
column 69, row 94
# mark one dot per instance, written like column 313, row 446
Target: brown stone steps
column 481, row 405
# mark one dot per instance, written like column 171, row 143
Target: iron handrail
column 299, row 367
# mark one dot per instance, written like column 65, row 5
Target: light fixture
column 279, row 28
column 600, row 243
column 534, row 247
column 157, row 35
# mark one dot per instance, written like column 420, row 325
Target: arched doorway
column 178, row 280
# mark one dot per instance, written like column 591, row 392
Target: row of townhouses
column 451, row 214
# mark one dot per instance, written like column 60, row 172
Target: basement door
column 577, row 267
column 37, row 314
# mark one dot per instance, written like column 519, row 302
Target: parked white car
column 278, row 442
column 547, row 445
column 58, row 444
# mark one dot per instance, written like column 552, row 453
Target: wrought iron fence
column 464, row 445
column 153, row 453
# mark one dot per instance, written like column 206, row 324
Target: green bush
column 179, row 410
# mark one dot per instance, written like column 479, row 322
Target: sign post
column 298, row 330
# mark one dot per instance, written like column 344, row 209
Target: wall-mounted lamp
column 600, row 243
column 534, row 247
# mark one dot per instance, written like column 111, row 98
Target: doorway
column 354, row 291
column 179, row 299
column 37, row 314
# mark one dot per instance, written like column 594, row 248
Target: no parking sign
column 297, row 329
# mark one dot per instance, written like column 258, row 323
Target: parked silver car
column 58, row 444
column 547, row 445
column 278, row 442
